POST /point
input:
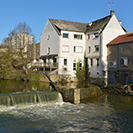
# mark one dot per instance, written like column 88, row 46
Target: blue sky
column 36, row 13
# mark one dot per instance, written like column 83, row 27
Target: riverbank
column 35, row 77
column 119, row 89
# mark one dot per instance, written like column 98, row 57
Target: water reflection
column 10, row 86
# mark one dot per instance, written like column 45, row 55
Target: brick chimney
column 112, row 12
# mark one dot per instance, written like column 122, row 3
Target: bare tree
column 20, row 36
column 17, row 41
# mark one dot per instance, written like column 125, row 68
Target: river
column 106, row 114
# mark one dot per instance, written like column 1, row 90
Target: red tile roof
column 122, row 39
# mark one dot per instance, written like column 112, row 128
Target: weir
column 4, row 100
column 23, row 98
column 48, row 97
column 31, row 98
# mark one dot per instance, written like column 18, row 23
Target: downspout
column 101, row 52
column 59, row 53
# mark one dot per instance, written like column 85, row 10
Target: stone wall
column 77, row 94
column 98, row 81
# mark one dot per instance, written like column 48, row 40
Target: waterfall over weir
column 23, row 99
column 4, row 100
column 46, row 97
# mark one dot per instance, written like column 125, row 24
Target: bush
column 82, row 73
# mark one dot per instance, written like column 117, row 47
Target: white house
column 65, row 42
column 98, row 34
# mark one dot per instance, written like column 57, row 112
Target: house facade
column 65, row 43
column 98, row 34
column 120, row 60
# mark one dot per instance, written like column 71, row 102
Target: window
column 96, row 35
column 74, row 49
column 55, row 60
column 74, row 66
column 65, row 62
column 38, row 52
column 132, row 62
column 65, row 35
column 89, row 49
column 30, row 53
column 88, row 36
column 96, row 48
column 65, row 69
column 124, row 61
column 65, row 48
column 112, row 64
column 97, row 61
column 78, row 49
column 48, row 50
column 80, row 66
column 77, row 36
column 91, row 62
column 48, row 37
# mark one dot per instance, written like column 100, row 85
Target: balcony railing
column 41, row 64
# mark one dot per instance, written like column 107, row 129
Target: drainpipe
column 100, row 54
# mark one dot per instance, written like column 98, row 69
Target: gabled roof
column 68, row 25
column 80, row 27
column 122, row 39
column 98, row 24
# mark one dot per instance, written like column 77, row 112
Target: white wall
column 71, row 55
column 49, row 38
column 112, row 30
column 91, row 42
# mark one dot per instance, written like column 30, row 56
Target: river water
column 106, row 114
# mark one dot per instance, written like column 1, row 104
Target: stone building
column 120, row 60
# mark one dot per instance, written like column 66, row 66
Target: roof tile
column 80, row 27
column 122, row 39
